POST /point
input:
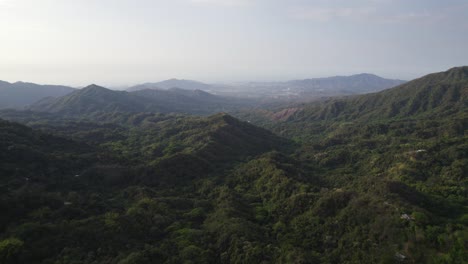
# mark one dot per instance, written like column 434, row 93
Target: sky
column 124, row 42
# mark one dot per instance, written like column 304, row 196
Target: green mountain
column 94, row 101
column 217, row 138
column 22, row 146
column 203, row 145
column 172, row 83
column 443, row 93
column 194, row 101
column 354, row 84
column 350, row 184
column 20, row 94
column 310, row 89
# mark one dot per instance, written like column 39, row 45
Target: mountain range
column 96, row 99
column 21, row 94
column 103, row 176
column 307, row 89
column 354, row 84
column 173, row 83
column 443, row 93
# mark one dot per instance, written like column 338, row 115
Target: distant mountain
column 307, row 89
column 94, row 100
column 172, row 83
column 354, row 84
column 145, row 86
column 438, row 94
column 193, row 101
column 192, row 93
column 20, row 94
column 376, row 178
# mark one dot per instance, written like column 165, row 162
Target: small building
column 400, row 257
column 406, row 217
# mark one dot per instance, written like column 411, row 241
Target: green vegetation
column 21, row 94
column 346, row 181
column 95, row 101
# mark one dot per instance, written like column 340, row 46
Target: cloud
column 327, row 14
column 228, row 3
column 369, row 13
column 411, row 17
column 6, row 3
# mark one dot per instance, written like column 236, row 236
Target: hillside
column 354, row 84
column 205, row 146
column 442, row 94
column 295, row 89
column 216, row 138
column 194, row 101
column 33, row 157
column 172, row 83
column 314, row 88
column 438, row 94
column 328, row 187
column 94, row 101
column 20, row 94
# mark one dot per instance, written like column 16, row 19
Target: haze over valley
column 302, row 132
column 22, row 95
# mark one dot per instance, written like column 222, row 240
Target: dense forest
column 98, row 176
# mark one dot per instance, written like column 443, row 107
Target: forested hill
column 193, row 101
column 354, row 84
column 94, row 101
column 21, row 94
column 31, row 157
column 172, row 83
column 437, row 94
column 98, row 178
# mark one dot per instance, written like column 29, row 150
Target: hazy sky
column 113, row 42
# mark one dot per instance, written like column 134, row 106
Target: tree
column 9, row 250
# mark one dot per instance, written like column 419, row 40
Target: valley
column 187, row 175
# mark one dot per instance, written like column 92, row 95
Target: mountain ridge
column 172, row 83
column 341, row 181
column 312, row 88
column 21, row 94
column 94, row 99
column 436, row 93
